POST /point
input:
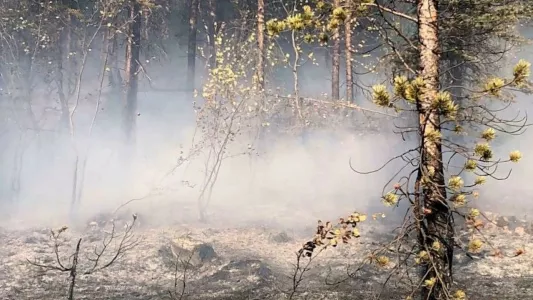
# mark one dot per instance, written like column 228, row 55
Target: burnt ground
column 250, row 262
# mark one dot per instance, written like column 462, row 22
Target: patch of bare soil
column 253, row 262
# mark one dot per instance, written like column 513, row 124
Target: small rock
column 205, row 252
column 31, row 240
column 502, row 222
column 281, row 237
column 191, row 251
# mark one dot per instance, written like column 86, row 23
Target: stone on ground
column 190, row 251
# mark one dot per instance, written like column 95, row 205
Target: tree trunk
column 244, row 13
column 335, row 63
column 145, row 35
column 212, row 32
column 72, row 54
column 191, row 52
column 74, row 189
column 16, row 173
column 106, row 49
column 74, row 271
column 348, row 52
column 115, row 79
column 261, row 45
column 132, row 70
column 64, row 49
column 436, row 223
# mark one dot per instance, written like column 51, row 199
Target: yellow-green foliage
column 275, row 26
column 475, row 245
column 390, row 199
column 488, row 134
column 455, row 183
column 444, row 103
column 521, row 72
column 296, row 22
column 494, row 86
column 459, row 200
column 480, row 180
column 433, row 135
column 400, row 86
column 422, row 257
column 380, row 95
column 483, row 151
column 382, row 260
column 459, row 295
column 414, row 90
column 470, row 165
column 474, row 213
column 515, row 156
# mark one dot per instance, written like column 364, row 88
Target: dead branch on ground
column 124, row 242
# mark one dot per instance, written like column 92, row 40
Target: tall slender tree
column 348, row 51
column 260, row 45
column 191, row 49
column 211, row 26
column 133, row 48
column 438, row 225
column 335, row 57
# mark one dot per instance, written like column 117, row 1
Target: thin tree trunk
column 72, row 54
column 327, row 57
column 74, row 191
column 436, row 223
column 16, row 171
column 241, row 32
column 132, row 70
column 115, row 79
column 212, row 32
column 348, row 52
column 64, row 48
column 261, row 45
column 74, row 271
column 295, row 67
column 335, row 60
column 106, row 47
column 191, row 52
column 145, row 36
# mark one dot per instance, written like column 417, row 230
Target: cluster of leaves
column 314, row 21
column 229, row 90
column 330, row 235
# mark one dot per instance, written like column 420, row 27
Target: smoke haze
column 290, row 182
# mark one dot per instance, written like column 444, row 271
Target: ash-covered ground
column 251, row 260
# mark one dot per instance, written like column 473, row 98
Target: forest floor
column 251, row 261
